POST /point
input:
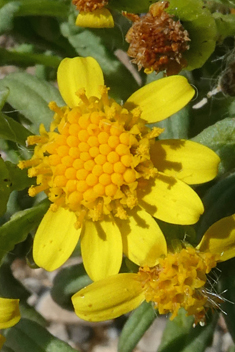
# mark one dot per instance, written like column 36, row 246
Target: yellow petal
column 2, row 340
column 9, row 312
column 162, row 98
column 190, row 162
column 108, row 298
column 100, row 18
column 170, row 200
column 220, row 239
column 77, row 73
column 55, row 239
column 101, row 247
column 143, row 240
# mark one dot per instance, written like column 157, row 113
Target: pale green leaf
column 135, row 327
column 27, row 336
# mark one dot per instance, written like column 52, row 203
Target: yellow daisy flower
column 107, row 177
column 178, row 280
column 9, row 315
column 93, row 14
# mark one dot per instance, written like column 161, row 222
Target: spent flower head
column 179, row 280
column 105, row 174
column 157, row 41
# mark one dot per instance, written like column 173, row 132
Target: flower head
column 105, row 174
column 9, row 315
column 179, row 280
column 93, row 14
column 157, row 41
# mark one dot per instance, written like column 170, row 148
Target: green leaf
column 23, row 59
column 175, row 233
column 133, row 6
column 10, row 287
column 39, row 7
column 19, row 178
column 218, row 202
column 225, row 25
column 221, row 138
column 5, row 186
column 6, row 349
column 29, row 312
column 18, row 227
column 180, row 335
column 135, row 327
column 7, row 13
column 31, row 96
column 200, row 24
column 3, row 96
column 176, row 126
column 12, row 130
column 29, row 336
column 227, row 286
column 67, row 282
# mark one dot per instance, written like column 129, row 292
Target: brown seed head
column 89, row 5
column 157, row 41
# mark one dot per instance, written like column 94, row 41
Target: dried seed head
column 157, row 41
column 89, row 5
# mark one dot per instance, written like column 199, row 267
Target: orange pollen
column 157, row 41
column 179, row 281
column 87, row 162
column 89, row 5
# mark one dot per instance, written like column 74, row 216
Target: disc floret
column 179, row 281
column 93, row 157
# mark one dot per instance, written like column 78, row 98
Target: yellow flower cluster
column 107, row 178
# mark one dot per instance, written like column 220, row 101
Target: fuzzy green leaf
column 133, row 6
column 7, row 13
column 19, row 178
column 227, row 286
column 3, row 96
column 5, row 186
column 225, row 25
column 200, row 24
column 67, row 282
column 27, row 336
column 10, row 287
column 135, row 327
column 176, row 126
column 29, row 312
column 12, row 130
column 24, row 59
column 180, row 335
column 31, row 96
column 18, row 227
column 218, row 202
column 39, row 7
column 221, row 138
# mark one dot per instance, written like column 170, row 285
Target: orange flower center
column 92, row 158
column 179, row 281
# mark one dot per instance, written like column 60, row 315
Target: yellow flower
column 9, row 315
column 92, row 14
column 107, row 177
column 178, row 280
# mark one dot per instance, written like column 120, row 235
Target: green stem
column 27, row 59
column 40, row 8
